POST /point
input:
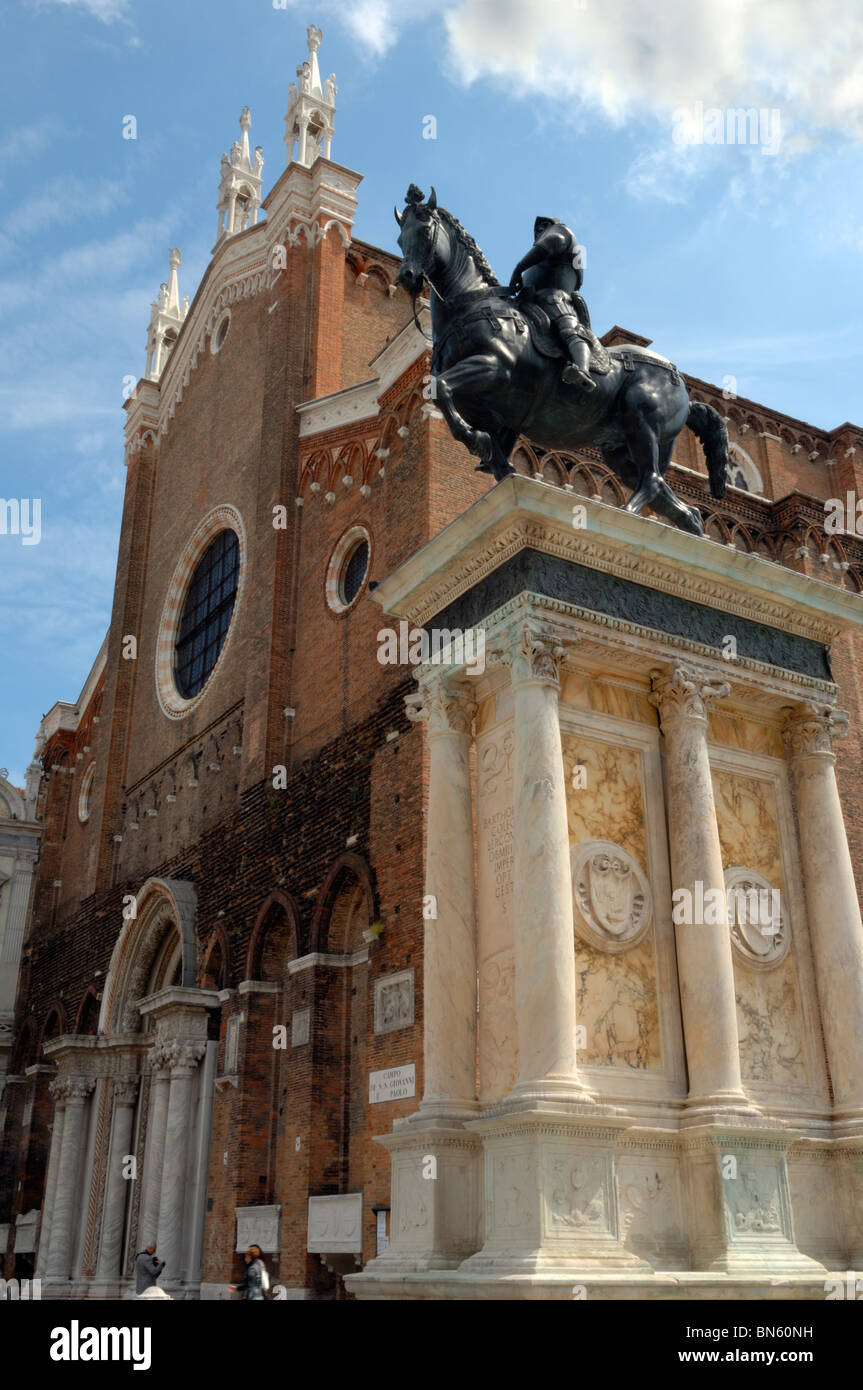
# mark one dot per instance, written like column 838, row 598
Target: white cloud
column 636, row 58
column 62, row 200
column 108, row 11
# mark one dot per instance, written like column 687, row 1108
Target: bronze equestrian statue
column 497, row 354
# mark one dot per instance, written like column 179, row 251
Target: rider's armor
column 553, row 282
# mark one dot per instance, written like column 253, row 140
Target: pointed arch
column 54, row 1024
column 87, row 1017
column 216, row 965
column 275, row 937
column 164, row 908
column 346, row 868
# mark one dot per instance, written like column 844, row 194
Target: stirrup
column 574, row 376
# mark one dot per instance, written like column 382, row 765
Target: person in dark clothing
column 147, row 1268
column 257, row 1280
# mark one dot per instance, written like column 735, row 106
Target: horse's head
column 419, row 239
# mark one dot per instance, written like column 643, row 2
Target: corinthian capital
column 533, row 651
column 810, row 729
column 125, row 1089
column 446, row 707
column 71, row 1087
column 183, row 1056
column 684, row 693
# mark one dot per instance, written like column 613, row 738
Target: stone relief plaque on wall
column 300, row 1027
column 760, row 934
column 611, row 895
column 258, row 1226
column 336, row 1224
column 394, row 1002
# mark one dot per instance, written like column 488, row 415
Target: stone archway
column 161, row 907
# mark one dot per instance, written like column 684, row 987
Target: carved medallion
column 611, row 895
column 757, row 920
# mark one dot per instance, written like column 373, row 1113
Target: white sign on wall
column 394, row 1083
column 258, row 1226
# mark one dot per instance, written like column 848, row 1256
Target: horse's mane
column 469, row 245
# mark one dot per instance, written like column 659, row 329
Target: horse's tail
column 709, row 426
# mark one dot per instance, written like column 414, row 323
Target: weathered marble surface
column 769, row 1018
column 616, row 999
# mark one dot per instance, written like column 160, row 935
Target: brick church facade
column 225, row 942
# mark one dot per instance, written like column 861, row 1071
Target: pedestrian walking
column 256, row 1284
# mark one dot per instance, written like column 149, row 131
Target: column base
column 550, row 1193
column 739, row 1202
column 554, row 1090
column 436, row 1202
column 443, row 1114
column 720, row 1107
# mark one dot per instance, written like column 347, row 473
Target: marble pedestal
column 436, row 1198
column 653, row 1113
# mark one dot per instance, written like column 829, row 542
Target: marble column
column 449, row 949
column 58, row 1093
column 704, row 962
column 544, row 944
column 183, row 1059
column 832, row 906
column 116, row 1185
column 156, row 1125
column 76, row 1090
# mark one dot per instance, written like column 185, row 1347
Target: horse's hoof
column 483, row 468
column 483, row 446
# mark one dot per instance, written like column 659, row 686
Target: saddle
column 546, row 341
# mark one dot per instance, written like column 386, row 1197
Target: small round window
column 354, row 572
column 220, row 332
column 207, row 613
column 84, row 795
column 348, row 569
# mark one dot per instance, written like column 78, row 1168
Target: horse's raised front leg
column 483, row 371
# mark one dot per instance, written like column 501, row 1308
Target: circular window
column 207, row 613
column 84, row 795
column 197, row 616
column 348, row 569
column 220, row 332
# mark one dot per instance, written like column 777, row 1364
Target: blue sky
column 734, row 261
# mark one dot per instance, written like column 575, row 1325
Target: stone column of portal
column 544, row 945
column 76, row 1090
column 156, row 1126
column 436, row 1183
column 116, row 1187
column 831, row 898
column 449, row 947
column 58, row 1090
column 183, row 1060
column 704, row 960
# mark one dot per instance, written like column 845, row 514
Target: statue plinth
column 653, row 1110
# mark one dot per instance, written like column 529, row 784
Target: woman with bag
column 256, row 1284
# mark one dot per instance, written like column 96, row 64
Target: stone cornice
column 523, row 513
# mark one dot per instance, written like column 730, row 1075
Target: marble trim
column 773, row 770
column 669, row 1081
column 614, row 542
column 756, row 681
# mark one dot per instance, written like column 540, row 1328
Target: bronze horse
column 492, row 383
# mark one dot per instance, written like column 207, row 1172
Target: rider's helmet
column 542, row 224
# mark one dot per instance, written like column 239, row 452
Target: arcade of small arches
column 327, row 471
column 180, row 1027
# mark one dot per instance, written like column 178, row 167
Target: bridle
column 424, row 272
